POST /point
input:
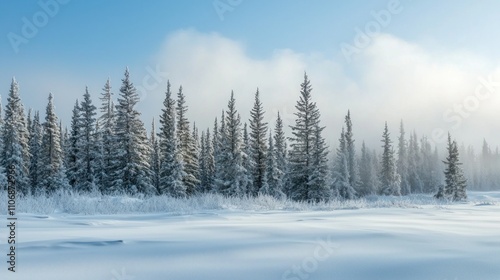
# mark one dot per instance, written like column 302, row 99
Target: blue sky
column 127, row 32
column 85, row 42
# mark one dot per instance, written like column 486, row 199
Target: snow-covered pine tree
column 194, row 152
column 216, row 141
column 171, row 170
column 187, row 146
column 280, row 153
column 456, row 184
column 317, row 187
column 3, row 175
column 109, row 150
column 341, row 185
column 52, row 174
column 209, row 162
column 72, row 150
column 35, row 143
column 64, row 143
column 428, row 167
column 437, row 169
column 63, row 137
column 273, row 173
column 29, row 125
column 203, row 168
column 232, row 176
column 352, row 161
column 402, row 163
column 222, row 158
column 414, row 163
column 29, row 122
column 248, row 162
column 258, row 145
column 302, row 142
column 155, row 158
column 389, row 178
column 99, row 152
column 368, row 172
column 87, row 150
column 15, row 152
column 471, row 168
column 133, row 172
column 487, row 168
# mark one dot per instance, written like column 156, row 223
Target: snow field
column 448, row 241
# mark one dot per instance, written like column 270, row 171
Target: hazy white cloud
column 425, row 88
column 210, row 66
column 391, row 80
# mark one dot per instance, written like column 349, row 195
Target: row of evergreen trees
column 482, row 169
column 112, row 153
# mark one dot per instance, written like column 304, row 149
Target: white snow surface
column 450, row 241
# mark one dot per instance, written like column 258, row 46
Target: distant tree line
column 107, row 149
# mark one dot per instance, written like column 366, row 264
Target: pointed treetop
column 14, row 87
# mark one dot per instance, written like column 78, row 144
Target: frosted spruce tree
column 216, row 146
column 429, row 167
column 133, row 170
column 15, row 150
column 455, row 182
column 64, row 143
column 221, row 156
column 72, row 148
column 389, row 178
column 280, row 154
column 488, row 162
column 195, row 155
column 341, row 185
column 205, row 150
column 317, row 187
column 402, row 162
column 258, row 145
column 3, row 175
column 302, row 143
column 154, row 158
column 109, row 151
column 52, row 173
column 248, row 162
column 209, row 162
column 98, row 160
column 274, row 175
column 352, row 161
column 232, row 176
column 171, row 170
column 414, row 162
column 368, row 172
column 88, row 148
column 187, row 146
column 35, row 143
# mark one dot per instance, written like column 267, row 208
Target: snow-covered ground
column 443, row 242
